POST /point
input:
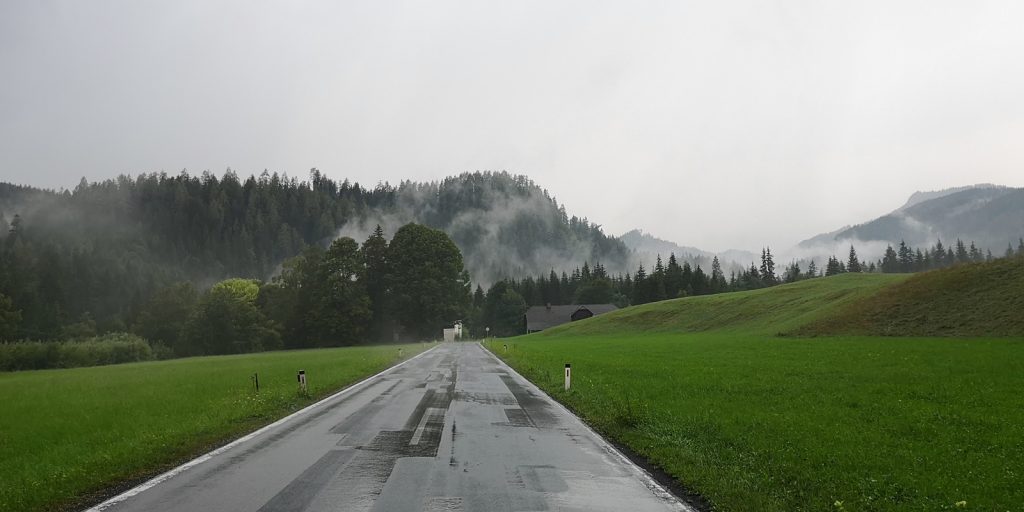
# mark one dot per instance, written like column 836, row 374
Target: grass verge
column 68, row 436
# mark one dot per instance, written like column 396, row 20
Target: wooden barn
column 539, row 318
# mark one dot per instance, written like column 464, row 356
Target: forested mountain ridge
column 84, row 260
column 991, row 216
column 505, row 225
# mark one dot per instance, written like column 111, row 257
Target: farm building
column 539, row 318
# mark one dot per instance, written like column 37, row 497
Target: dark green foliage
column 163, row 317
column 596, row 291
column 227, row 321
column 503, row 310
column 104, row 249
column 9, row 318
column 112, row 348
column 429, row 285
column 374, row 277
column 320, row 299
column 339, row 306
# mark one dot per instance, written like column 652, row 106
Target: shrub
column 113, row 348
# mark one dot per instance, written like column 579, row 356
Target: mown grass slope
column 974, row 299
column 768, row 311
column 66, row 434
column 707, row 389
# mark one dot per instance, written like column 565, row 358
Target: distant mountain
column 991, row 216
column 647, row 248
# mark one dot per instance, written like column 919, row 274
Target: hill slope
column 766, row 311
column 979, row 299
column 976, row 299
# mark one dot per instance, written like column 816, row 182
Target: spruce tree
column 374, row 276
column 853, row 264
column 718, row 283
column 640, row 294
column 961, row 252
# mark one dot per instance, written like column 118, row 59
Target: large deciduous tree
column 227, row 321
column 428, row 282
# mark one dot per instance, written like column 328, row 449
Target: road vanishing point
column 453, row 429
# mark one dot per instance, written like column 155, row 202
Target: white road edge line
column 645, row 477
column 153, row 482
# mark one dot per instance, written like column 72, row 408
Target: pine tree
column 1009, row 251
column 939, row 254
column 961, row 252
column 853, row 264
column 718, row 283
column 834, row 266
column 975, row 253
column 906, row 256
column 792, row 273
column 673, row 277
column 767, row 267
column 656, row 282
column 374, row 276
column 640, row 286
column 812, row 270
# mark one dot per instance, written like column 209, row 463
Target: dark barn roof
column 539, row 318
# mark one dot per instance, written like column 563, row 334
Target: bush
column 113, row 348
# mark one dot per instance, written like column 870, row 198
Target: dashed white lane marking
column 430, row 414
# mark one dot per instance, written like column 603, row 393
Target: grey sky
column 714, row 124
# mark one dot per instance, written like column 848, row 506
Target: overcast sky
column 715, row 124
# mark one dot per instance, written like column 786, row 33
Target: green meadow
column 721, row 393
column 67, row 436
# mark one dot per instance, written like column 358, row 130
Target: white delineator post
column 568, row 375
column 302, row 380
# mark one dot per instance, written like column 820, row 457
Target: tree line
column 407, row 289
column 502, row 306
column 84, row 261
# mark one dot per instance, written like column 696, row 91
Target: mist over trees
column 84, row 261
column 501, row 307
column 262, row 261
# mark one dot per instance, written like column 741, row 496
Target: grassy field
column 705, row 388
column 68, row 434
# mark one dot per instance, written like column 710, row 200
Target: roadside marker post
column 256, row 381
column 568, row 375
column 302, row 380
column 506, row 347
column 399, row 352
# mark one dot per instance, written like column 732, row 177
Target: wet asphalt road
column 453, row 429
